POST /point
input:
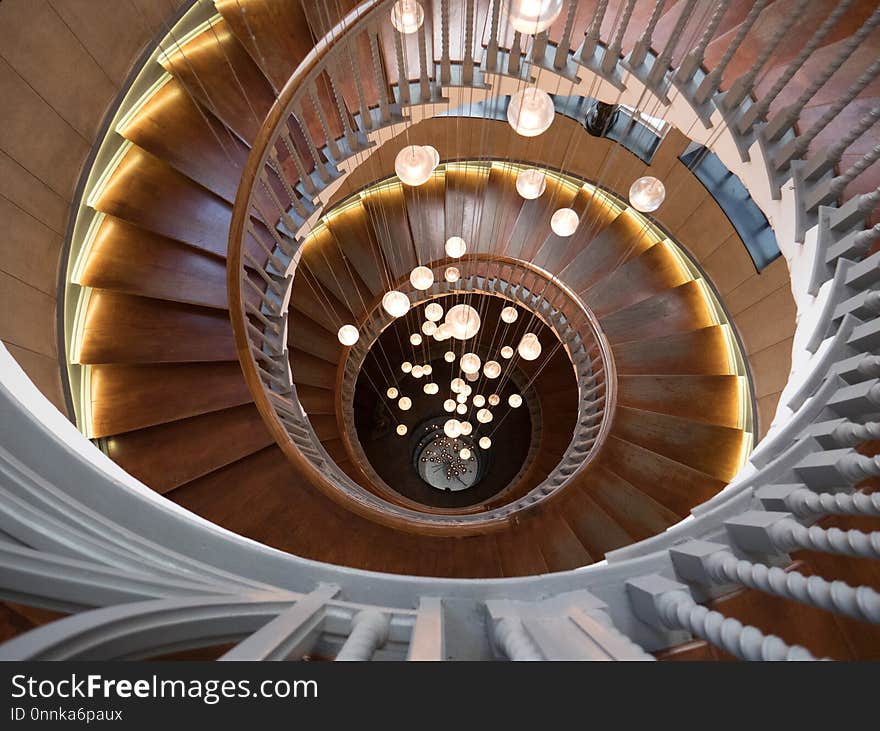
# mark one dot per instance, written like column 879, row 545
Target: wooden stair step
column 713, row 399
column 701, row 351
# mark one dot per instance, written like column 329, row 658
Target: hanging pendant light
column 509, row 314
column 530, row 112
column 452, row 274
column 531, row 183
column 479, row 401
column 463, row 321
column 452, row 428
column 484, row 416
column 485, row 442
column 465, row 453
column 428, row 327
column 449, row 405
column 461, row 409
column 455, row 247
column 348, row 335
column 415, row 339
column 392, row 392
column 467, row 390
column 515, row 400
column 647, row 194
column 449, row 356
column 533, row 16
column 461, row 398
column 470, row 363
column 406, row 366
column 472, row 376
column 414, row 165
column 401, row 429
column 457, row 385
column 507, row 352
column 395, row 303
column 430, row 388
column 564, row 222
column 494, row 399
column 492, row 369
column 433, row 312
column 529, row 347
column 407, row 16
column 466, row 428
column 427, row 369
column 405, row 403
column 417, row 371
column 442, row 333
column 421, row 278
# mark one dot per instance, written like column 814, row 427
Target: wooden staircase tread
column 714, row 399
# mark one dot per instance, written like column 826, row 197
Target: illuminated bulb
column 529, row 347
column 531, row 183
column 449, row 356
column 461, row 398
column 457, row 385
column 415, row 339
column 395, row 303
column 564, row 222
column 461, row 409
column 401, row 429
column 428, row 327
column 479, row 400
column 418, row 371
column 470, row 363
column 492, row 369
column 455, row 247
column 430, row 388
column 427, row 369
column 465, row 453
column 530, row 112
column 414, row 165
column 451, row 274
column 509, row 314
column 463, row 322
column 406, row 366
column 646, row 194
column 405, row 403
column 472, row 376
column 442, row 332
column 392, row 392
column 433, row 312
column 421, row 278
column 494, row 399
column 449, row 405
column 507, row 352
column 407, row 16
column 452, row 428
column 484, row 416
column 515, row 400
column 466, row 428
column 533, row 16
column 467, row 390
column 485, row 442
column 348, row 335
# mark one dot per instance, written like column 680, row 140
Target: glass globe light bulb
column 466, row 428
column 492, row 369
column 455, row 247
column 647, row 194
column 531, row 183
column 452, row 428
column 472, row 376
column 449, row 405
column 442, row 333
column 407, row 16
column 401, row 429
column 395, row 303
column 449, row 356
column 421, row 278
column 348, row 335
column 509, row 314
column 405, row 403
column 530, row 112
column 507, row 352
column 515, row 400
column 564, row 222
column 417, row 371
column 467, row 390
column 415, row 339
column 428, row 327
column 406, row 366
column 479, row 401
column 494, row 399
column 463, row 322
column 392, row 392
column 461, row 398
column 427, row 369
column 485, row 442
column 457, row 385
column 452, row 274
column 414, row 165
column 533, row 16
column 465, row 453
column 433, row 312
column 484, row 416
column 461, row 409
column 529, row 347
column 430, row 388
column 470, row 363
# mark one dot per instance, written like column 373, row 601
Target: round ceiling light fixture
column 494, row 399
column 452, row 274
column 461, row 409
column 530, row 112
column 442, row 332
column 529, row 347
column 421, row 278
column 465, row 453
column 507, row 352
column 457, row 385
column 392, row 392
column 484, row 416
column 479, row 401
column 564, row 222
column 427, row 369
column 470, row 363
column 414, row 165
column 395, row 303
column 415, row 339
column 406, row 366
column 449, row 405
column 449, row 356
column 509, row 314
column 461, row 398
column 531, row 183
column 407, row 16
column 417, row 371
column 430, row 388
column 429, row 327
column 485, row 442
column 433, row 312
column 455, row 247
column 348, row 335
column 515, row 400
column 405, row 403
column 401, row 429
column 463, row 322
column 452, row 428
column 466, row 428
column 533, row 16
column 647, row 194
column 492, row 369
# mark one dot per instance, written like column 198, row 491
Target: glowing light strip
column 142, row 102
column 178, row 43
column 82, row 258
column 98, row 188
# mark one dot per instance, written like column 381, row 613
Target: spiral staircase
column 249, row 177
